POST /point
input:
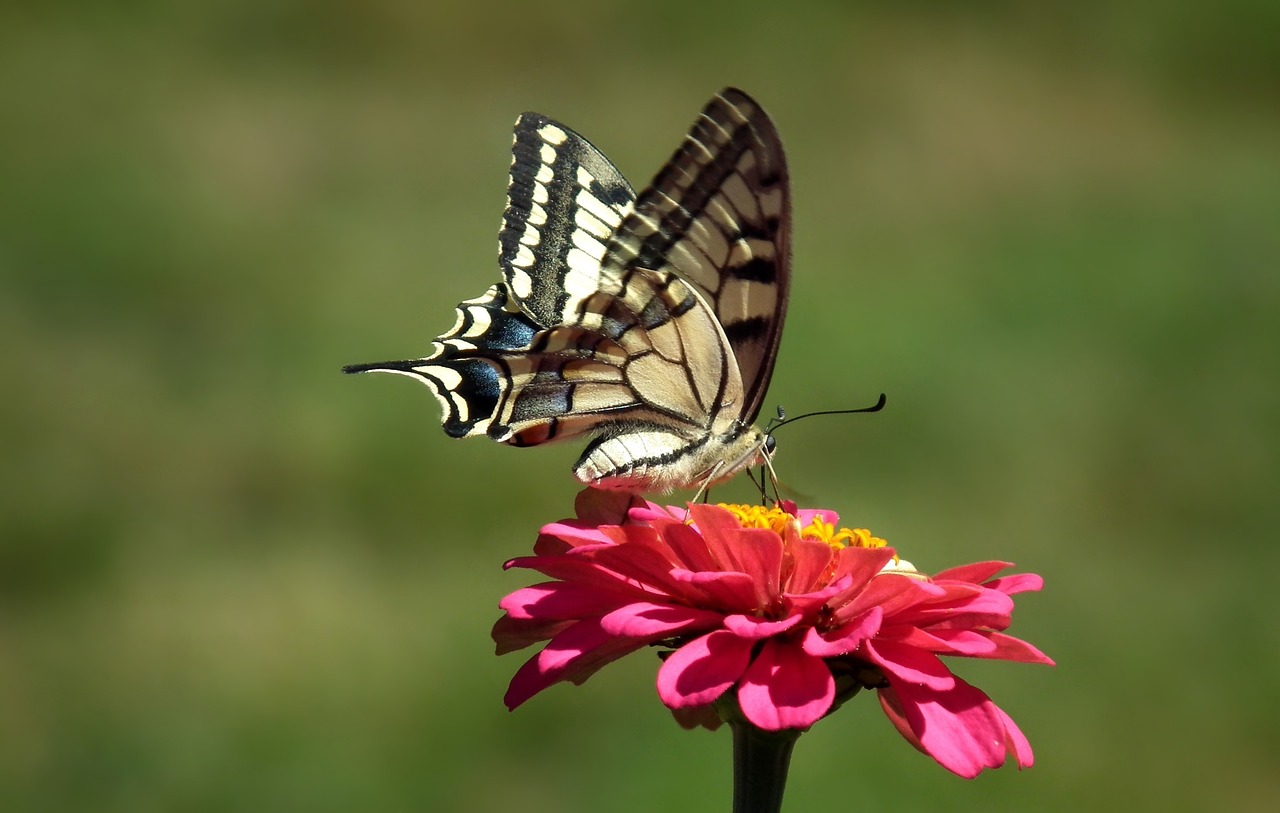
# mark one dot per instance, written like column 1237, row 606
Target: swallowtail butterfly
column 648, row 324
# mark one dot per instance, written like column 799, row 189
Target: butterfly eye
column 769, row 445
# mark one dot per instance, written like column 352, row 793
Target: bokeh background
column 232, row 579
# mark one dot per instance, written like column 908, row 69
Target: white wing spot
column 552, row 135
column 537, row 218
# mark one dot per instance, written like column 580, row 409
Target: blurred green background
column 232, row 579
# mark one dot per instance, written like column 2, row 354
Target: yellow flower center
column 758, row 516
column 777, row 520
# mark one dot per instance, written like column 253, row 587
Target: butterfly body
column 648, row 324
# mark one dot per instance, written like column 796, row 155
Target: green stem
column 760, row 762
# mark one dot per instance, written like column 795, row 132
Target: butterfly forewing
column 564, row 201
column 718, row 215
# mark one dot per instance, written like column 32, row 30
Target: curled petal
column 960, row 727
column 573, row 655
column 641, row 560
column 975, row 573
column 1008, row 648
column 754, row 551
column 1017, row 583
column 651, row 622
column 689, row 547
column 753, row 628
column 575, row 568
column 890, row 592
column 910, row 665
column 785, row 687
column 559, row 538
column 758, row 553
column 596, row 506
column 730, row 590
column 844, row 639
column 559, row 600
column 703, row 669
column 692, row 717
column 809, row 561
column 511, row 634
column 1015, row 742
column 807, row 515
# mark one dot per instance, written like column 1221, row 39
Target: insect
column 647, row 324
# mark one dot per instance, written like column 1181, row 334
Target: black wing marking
column 718, row 215
column 461, row 372
column 564, row 200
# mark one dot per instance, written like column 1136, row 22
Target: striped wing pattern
column 647, row 324
column 719, row 216
column 564, row 201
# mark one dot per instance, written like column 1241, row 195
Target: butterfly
column 648, row 324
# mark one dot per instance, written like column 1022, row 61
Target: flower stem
column 760, row 762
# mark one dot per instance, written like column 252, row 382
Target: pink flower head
column 773, row 606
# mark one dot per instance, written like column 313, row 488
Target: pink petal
column 755, row 628
column 1015, row 741
column 697, row 717
column 868, row 588
column 651, row 621
column 718, row 528
column 1017, row 583
column 651, row 513
column 809, row 561
column 808, row 603
column 961, row 608
column 806, row 515
column 574, row 654
column 754, row 551
column 976, row 573
column 758, row 553
column 595, row 506
column 703, row 669
column 511, row 634
column 909, row 664
column 844, row 639
column 559, row 537
column 785, row 688
column 577, row 569
column 863, row 564
column 723, row 589
column 960, row 728
column 640, row 561
column 892, row 708
column 689, row 547
column 1009, row 648
column 966, row 643
column 559, row 600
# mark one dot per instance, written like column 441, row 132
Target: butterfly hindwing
column 466, row 371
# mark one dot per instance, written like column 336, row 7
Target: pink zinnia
column 777, row 607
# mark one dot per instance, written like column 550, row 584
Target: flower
column 773, row 606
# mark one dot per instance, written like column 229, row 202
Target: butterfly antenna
column 774, row 425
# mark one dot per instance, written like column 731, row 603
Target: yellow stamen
column 758, row 516
column 775, row 519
